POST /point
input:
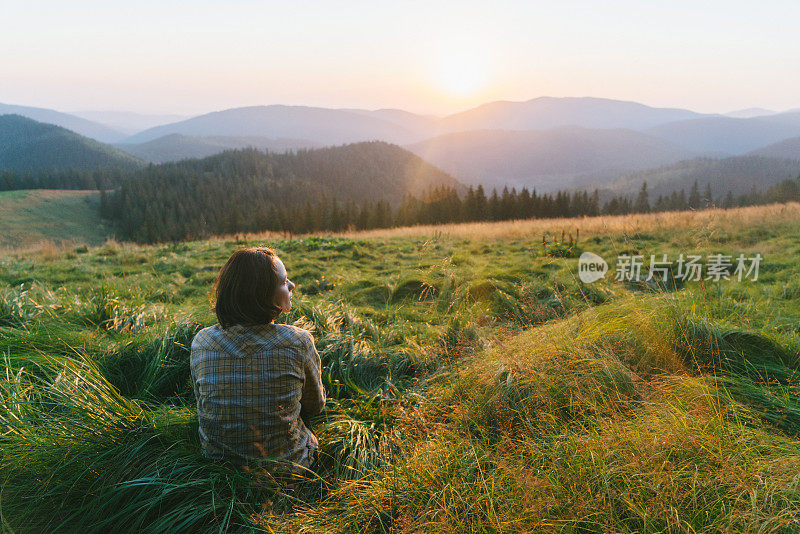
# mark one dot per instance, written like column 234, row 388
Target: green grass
column 30, row 217
column 475, row 384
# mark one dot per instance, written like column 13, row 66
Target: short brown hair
column 245, row 288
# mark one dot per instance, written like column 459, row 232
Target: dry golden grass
column 46, row 249
column 603, row 225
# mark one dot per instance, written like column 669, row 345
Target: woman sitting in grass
column 254, row 380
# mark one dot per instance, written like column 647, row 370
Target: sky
column 191, row 57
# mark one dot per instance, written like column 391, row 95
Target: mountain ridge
column 176, row 147
column 321, row 125
column 79, row 125
column 549, row 112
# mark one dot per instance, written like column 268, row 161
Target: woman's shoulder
column 267, row 336
column 207, row 337
column 294, row 334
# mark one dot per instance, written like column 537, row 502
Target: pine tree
column 708, row 198
column 642, row 204
column 524, row 210
column 729, row 201
column 494, row 206
column 594, row 204
column 694, row 197
column 481, row 205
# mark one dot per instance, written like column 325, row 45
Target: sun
column 460, row 74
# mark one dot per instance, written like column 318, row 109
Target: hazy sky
column 424, row 56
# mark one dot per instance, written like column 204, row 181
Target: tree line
column 279, row 207
column 102, row 179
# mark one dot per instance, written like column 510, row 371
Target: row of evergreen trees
column 102, row 178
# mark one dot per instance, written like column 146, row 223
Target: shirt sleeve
column 195, row 357
column 313, row 399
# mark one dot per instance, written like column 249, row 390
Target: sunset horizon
column 170, row 113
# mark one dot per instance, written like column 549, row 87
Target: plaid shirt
column 252, row 385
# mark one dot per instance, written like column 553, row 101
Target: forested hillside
column 74, row 179
column 739, row 175
column 788, row 149
column 29, row 145
column 249, row 190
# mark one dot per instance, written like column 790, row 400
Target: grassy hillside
column 30, row 217
column 476, row 385
column 29, row 145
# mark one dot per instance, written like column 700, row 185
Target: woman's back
column 253, row 384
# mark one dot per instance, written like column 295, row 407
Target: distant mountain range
column 176, row 147
column 420, row 125
column 548, row 112
column 532, row 158
column 127, row 122
column 318, row 125
column 729, row 135
column 546, row 160
column 749, row 113
column 337, row 126
column 547, row 143
column 26, row 144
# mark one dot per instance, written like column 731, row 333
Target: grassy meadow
column 52, row 216
column 475, row 383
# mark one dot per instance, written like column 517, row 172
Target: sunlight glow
column 460, row 73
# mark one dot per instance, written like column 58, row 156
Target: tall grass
column 602, row 422
column 358, row 357
column 157, row 371
column 77, row 455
